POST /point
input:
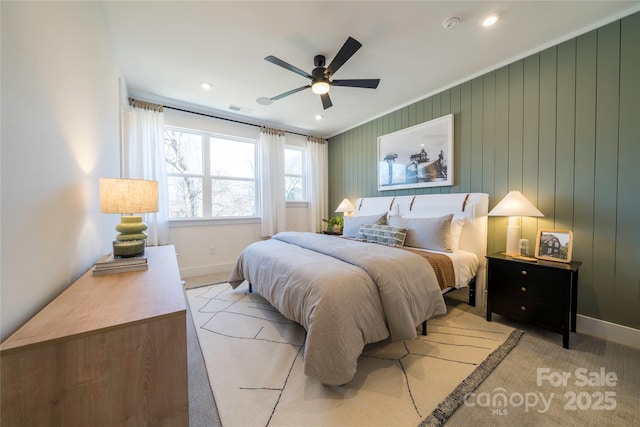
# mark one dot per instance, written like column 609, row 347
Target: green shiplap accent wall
column 563, row 127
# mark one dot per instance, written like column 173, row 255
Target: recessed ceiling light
column 206, row 85
column 319, row 116
column 490, row 20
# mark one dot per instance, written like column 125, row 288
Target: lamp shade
column 128, row 196
column 345, row 206
column 515, row 204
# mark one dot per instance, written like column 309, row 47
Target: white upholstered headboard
column 472, row 206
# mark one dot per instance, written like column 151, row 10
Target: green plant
column 335, row 222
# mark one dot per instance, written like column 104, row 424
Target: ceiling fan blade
column 326, row 101
column 288, row 66
column 347, row 50
column 364, row 83
column 291, row 92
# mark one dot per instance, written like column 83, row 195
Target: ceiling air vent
column 240, row 109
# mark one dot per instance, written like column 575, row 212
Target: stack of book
column 109, row 264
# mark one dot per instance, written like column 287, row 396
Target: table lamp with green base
column 129, row 196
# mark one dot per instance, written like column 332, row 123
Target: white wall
column 206, row 247
column 213, row 248
column 60, row 134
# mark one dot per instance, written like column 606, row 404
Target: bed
column 359, row 289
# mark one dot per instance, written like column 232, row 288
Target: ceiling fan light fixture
column 320, row 88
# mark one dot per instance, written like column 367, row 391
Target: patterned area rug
column 254, row 362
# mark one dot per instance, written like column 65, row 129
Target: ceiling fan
column 321, row 77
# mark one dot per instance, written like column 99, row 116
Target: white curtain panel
column 144, row 159
column 273, row 202
column 318, row 173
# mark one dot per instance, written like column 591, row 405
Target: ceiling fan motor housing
column 318, row 74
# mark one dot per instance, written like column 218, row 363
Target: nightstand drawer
column 529, row 311
column 531, row 273
column 548, row 293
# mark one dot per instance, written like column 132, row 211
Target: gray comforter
column 345, row 293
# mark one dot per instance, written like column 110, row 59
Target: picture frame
column 418, row 156
column 554, row 245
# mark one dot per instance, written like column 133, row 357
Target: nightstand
column 542, row 293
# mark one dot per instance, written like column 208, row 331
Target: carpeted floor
column 515, row 376
column 540, row 355
column 202, row 406
column 210, row 279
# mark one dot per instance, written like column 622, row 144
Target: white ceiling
column 165, row 49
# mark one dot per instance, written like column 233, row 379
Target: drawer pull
column 524, row 272
column 523, row 289
column 523, row 308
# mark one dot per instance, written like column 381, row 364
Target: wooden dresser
column 109, row 351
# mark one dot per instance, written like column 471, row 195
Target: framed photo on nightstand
column 554, row 245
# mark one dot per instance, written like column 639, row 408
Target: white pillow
column 457, row 223
column 426, row 233
column 456, row 231
column 352, row 224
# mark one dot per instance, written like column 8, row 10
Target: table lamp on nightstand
column 345, row 207
column 514, row 205
column 129, row 196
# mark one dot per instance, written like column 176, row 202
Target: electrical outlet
column 212, row 250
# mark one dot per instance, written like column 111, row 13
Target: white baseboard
column 608, row 331
column 206, row 270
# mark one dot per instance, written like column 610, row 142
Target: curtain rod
column 224, row 118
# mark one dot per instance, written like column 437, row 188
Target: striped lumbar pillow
column 384, row 234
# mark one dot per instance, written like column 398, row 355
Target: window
column 209, row 176
column 295, row 174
